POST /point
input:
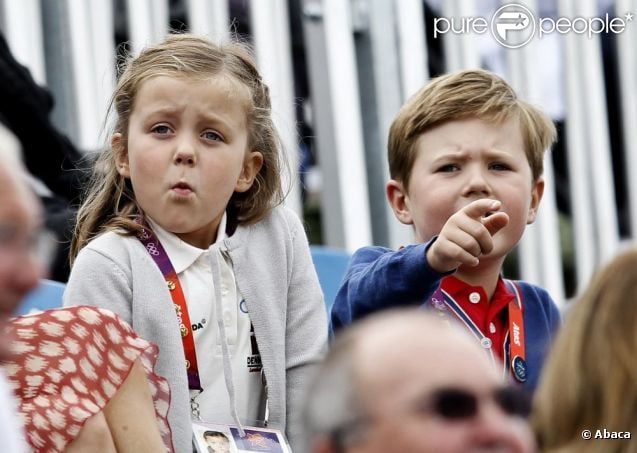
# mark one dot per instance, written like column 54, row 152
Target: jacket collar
column 182, row 255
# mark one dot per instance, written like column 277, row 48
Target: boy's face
column 462, row 161
column 218, row 444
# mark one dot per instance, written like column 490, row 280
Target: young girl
column 182, row 235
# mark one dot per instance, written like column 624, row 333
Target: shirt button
column 491, row 327
column 474, row 298
column 485, row 342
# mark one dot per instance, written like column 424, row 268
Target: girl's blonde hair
column 590, row 379
column 109, row 202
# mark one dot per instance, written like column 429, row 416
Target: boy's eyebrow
column 460, row 154
column 454, row 153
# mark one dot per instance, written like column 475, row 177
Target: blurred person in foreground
column 406, row 381
column 57, row 362
column 52, row 160
column 587, row 398
column 20, row 219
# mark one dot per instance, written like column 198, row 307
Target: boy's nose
column 477, row 183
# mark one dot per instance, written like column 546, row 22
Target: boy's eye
column 161, row 129
column 211, row 135
column 499, row 166
column 448, row 168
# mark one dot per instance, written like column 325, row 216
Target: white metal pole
column 581, row 186
column 628, row 79
column 23, row 31
column 347, row 126
column 412, row 45
column 271, row 31
column 209, row 17
column 147, row 22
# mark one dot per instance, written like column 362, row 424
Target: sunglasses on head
column 456, row 404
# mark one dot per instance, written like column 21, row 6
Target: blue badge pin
column 518, row 365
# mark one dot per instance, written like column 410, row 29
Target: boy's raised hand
column 467, row 235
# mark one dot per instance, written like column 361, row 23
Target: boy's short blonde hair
column 473, row 93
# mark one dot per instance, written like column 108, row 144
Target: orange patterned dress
column 67, row 363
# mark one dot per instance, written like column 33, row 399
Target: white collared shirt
column 193, row 268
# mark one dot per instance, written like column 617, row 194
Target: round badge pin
column 518, row 365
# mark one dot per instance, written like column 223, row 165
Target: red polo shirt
column 491, row 317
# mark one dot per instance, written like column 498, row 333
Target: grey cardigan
column 276, row 277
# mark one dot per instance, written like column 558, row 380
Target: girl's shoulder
column 280, row 217
column 111, row 238
column 113, row 244
column 281, row 226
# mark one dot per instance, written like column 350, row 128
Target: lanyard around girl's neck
column 156, row 251
column 441, row 301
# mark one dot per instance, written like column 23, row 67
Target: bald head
column 414, row 343
column 377, row 387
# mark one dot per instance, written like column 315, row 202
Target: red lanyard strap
column 517, row 354
column 156, row 251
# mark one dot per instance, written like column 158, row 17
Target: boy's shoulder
column 532, row 289
column 536, row 297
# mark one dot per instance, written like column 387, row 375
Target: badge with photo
column 214, row 438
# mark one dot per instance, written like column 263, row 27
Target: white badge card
column 211, row 438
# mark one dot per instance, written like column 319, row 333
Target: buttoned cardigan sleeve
column 276, row 277
column 116, row 272
column 97, row 279
column 306, row 330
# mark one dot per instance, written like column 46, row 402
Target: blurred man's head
column 406, row 382
column 20, row 223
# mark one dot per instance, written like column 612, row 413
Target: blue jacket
column 380, row 278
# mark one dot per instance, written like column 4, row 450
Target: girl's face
column 187, row 153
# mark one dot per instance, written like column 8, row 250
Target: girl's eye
column 448, row 168
column 161, row 129
column 210, row 135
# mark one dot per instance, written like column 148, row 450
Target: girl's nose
column 185, row 153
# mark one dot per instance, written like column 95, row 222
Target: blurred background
column 339, row 70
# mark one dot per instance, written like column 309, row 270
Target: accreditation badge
column 518, row 366
column 219, row 438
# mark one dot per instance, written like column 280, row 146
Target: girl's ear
column 121, row 155
column 251, row 167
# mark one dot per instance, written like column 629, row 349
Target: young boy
column 466, row 162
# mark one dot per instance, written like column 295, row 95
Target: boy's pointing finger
column 479, row 208
column 496, row 222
